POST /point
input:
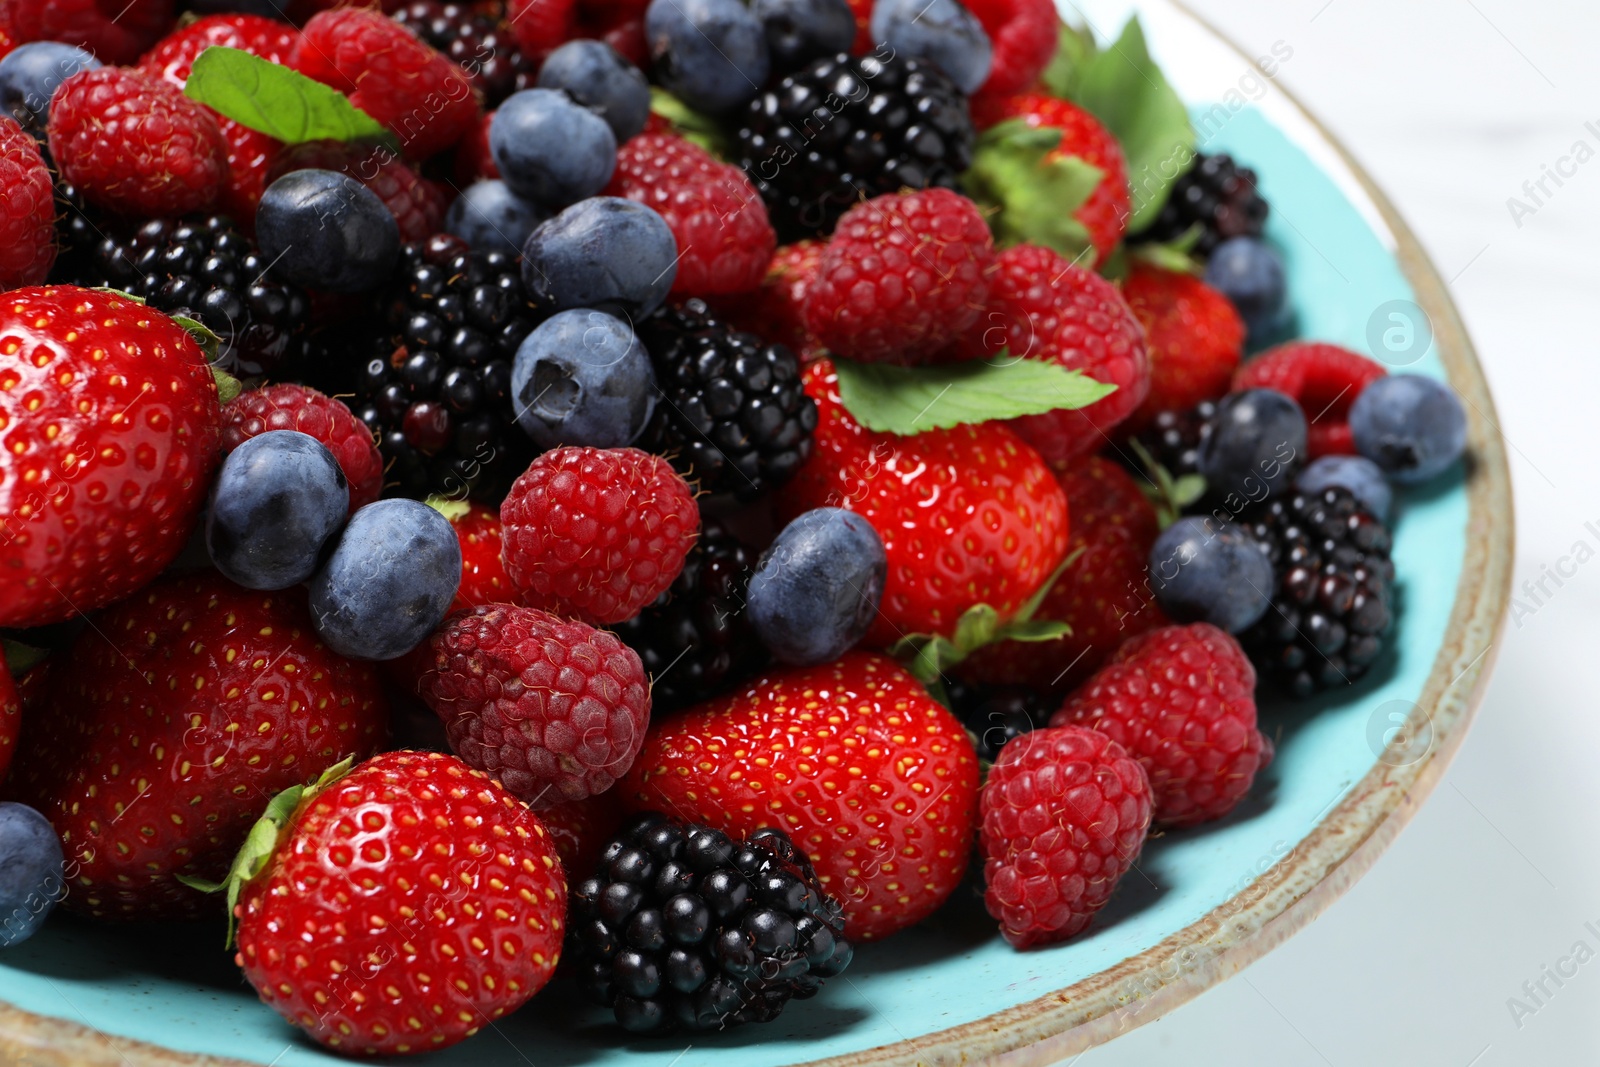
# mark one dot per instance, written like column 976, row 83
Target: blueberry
column 32, row 872
column 277, row 500
column 1249, row 272
column 711, row 54
column 1204, row 573
column 30, row 75
column 943, row 32
column 602, row 80
column 491, row 218
column 551, row 149
column 389, row 582
column 1411, row 426
column 1361, row 476
column 582, row 378
column 799, row 31
column 1256, row 444
column 608, row 253
column 327, row 231
column 817, row 589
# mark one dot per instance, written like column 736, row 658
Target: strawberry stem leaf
column 449, row 507
column 690, row 124
column 20, row 658
column 1017, row 170
column 1168, row 495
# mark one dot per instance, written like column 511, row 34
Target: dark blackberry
column 79, row 230
column 1331, row 607
column 479, row 42
column 1218, row 194
column 733, row 414
column 204, row 268
column 995, row 715
column 696, row 639
column 848, row 128
column 1173, row 440
column 683, row 928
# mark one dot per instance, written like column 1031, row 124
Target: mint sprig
column 272, row 99
column 908, row 400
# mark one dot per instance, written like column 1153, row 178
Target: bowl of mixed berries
column 601, row 531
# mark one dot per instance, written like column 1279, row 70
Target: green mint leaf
column 691, row 124
column 272, row 99
column 1125, row 90
column 1014, row 170
column 909, row 400
column 1075, row 49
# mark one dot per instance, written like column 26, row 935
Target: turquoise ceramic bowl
column 1202, row 903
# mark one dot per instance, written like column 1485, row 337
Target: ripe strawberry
column 134, row 144
column 28, row 211
column 299, row 407
column 10, row 718
column 116, row 31
column 1181, row 700
column 541, row 25
column 579, row 829
column 717, row 217
column 1065, row 812
column 901, row 275
column 868, row 774
column 188, row 706
column 1324, row 380
column 250, row 156
column 7, row 41
column 425, row 99
column 461, row 915
column 1194, row 335
column 473, row 160
column 620, row 25
column 967, row 515
column 1105, row 214
column 174, row 55
column 863, row 12
column 417, row 204
column 1042, row 307
column 774, row 311
column 1024, row 35
column 1102, row 594
column 109, row 425
column 483, row 574
column 596, row 534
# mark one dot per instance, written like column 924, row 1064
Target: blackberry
column 734, row 415
column 477, row 41
column 684, row 928
column 1334, row 579
column 996, row 715
column 1218, row 194
column 203, row 267
column 79, row 230
column 696, row 639
column 851, row 127
column 1173, row 440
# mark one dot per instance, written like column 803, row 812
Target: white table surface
column 1452, row 105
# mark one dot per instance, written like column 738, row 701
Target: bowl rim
column 1289, row 895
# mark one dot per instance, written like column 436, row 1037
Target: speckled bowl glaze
column 1351, row 769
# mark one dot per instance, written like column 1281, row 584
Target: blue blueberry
column 605, row 252
column 1358, row 474
column 1256, row 444
column 1249, row 272
column 30, row 75
column 582, row 378
column 491, row 218
column 326, row 230
column 1201, row 572
column 32, row 872
column 389, row 582
column 799, row 31
column 551, row 149
column 943, row 32
column 278, row 499
column 816, row 591
column 602, row 80
column 1411, row 426
column 711, row 54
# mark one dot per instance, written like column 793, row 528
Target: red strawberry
column 109, row 427
column 7, row 41
column 1042, row 307
column 1194, row 335
column 391, row 75
column 715, row 214
column 1181, row 700
column 1102, row 594
column 541, row 25
column 187, row 707
column 1065, row 813
column 298, row 407
column 1024, row 35
column 863, row 12
column 10, row 718
column 473, row 160
column 250, row 156
column 1324, row 380
column 28, row 210
column 967, row 515
column 116, row 31
column 483, row 574
column 774, row 312
column 619, row 25
column 418, row 205
column 134, row 144
column 865, row 771
column 900, row 276
column 462, row 908
column 580, row 829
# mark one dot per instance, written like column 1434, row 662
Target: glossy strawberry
column 109, row 430
column 483, row 574
column 1194, row 335
column 866, row 772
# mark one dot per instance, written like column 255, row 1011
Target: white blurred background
column 1452, row 105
